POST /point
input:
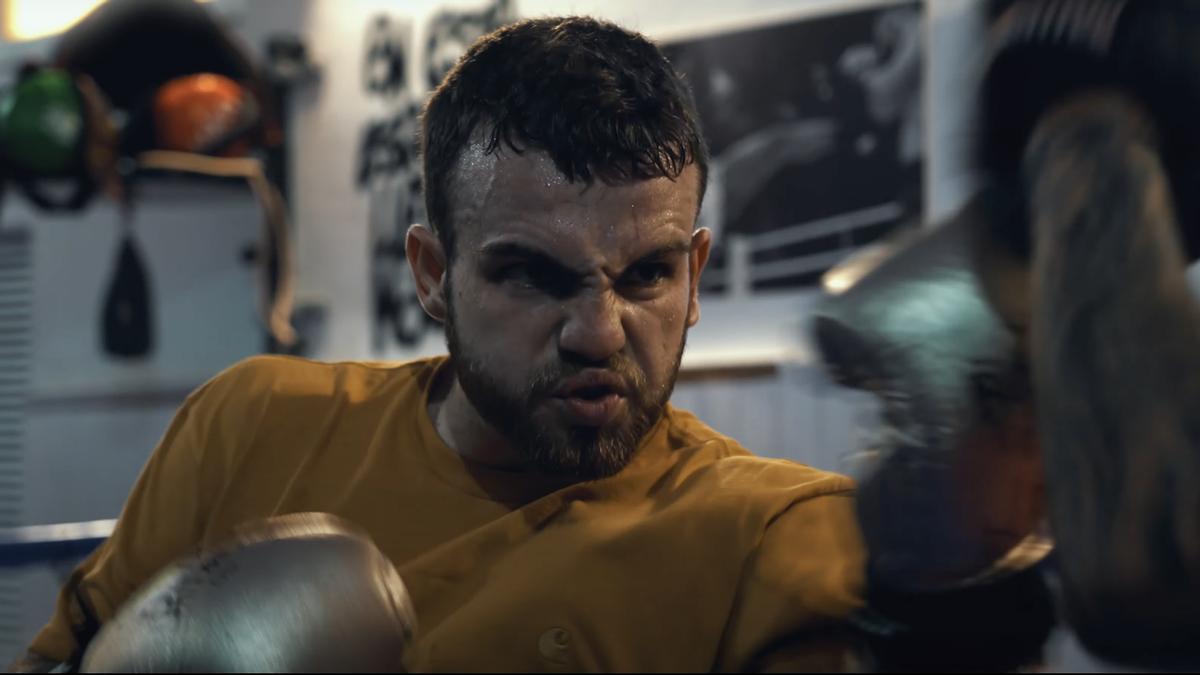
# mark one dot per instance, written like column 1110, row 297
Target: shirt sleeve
column 803, row 581
column 162, row 520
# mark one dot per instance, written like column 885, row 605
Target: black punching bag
column 126, row 319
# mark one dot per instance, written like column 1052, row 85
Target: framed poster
column 814, row 126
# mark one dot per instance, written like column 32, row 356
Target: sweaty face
column 568, row 305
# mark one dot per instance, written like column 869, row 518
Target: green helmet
column 43, row 125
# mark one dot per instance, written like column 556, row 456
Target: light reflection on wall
column 32, row 19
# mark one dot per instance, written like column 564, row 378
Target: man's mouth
column 592, row 398
column 590, row 393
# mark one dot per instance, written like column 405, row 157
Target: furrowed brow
column 525, row 253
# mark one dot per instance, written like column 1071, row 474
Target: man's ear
column 697, row 259
column 427, row 260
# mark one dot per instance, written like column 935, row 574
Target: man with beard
column 544, row 504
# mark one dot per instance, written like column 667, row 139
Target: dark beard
column 584, row 453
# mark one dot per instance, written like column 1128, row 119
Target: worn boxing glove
column 297, row 593
column 953, row 491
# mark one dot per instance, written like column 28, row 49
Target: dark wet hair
column 601, row 101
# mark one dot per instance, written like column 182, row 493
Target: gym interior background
column 860, row 108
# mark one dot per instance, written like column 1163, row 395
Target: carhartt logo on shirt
column 554, row 643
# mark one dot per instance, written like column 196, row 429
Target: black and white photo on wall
column 388, row 163
column 451, row 31
column 387, row 167
column 815, row 132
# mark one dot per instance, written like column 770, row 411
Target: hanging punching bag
column 126, row 320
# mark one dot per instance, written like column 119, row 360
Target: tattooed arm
column 1116, row 358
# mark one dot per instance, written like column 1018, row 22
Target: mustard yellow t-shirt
column 697, row 556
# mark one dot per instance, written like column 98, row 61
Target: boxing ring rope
column 741, row 272
column 48, row 544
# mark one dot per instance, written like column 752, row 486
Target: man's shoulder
column 267, row 406
column 283, row 377
column 726, row 464
column 275, row 392
column 782, row 482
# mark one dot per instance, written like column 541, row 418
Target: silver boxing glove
column 302, row 592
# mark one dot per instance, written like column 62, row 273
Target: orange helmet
column 204, row 113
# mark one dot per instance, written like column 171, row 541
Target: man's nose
column 593, row 330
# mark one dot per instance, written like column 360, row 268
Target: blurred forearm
column 1116, row 359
